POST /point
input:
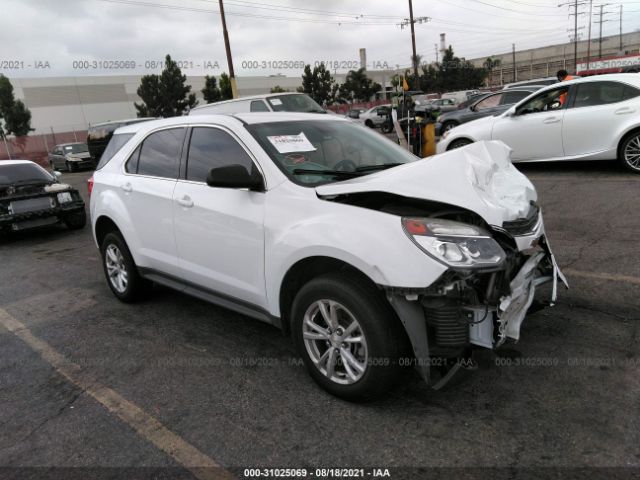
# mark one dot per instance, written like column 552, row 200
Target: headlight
column 454, row 244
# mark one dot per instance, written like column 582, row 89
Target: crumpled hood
column 479, row 177
column 57, row 187
column 81, row 155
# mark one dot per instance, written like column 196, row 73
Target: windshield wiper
column 333, row 173
column 373, row 168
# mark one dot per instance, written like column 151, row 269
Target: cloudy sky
column 101, row 37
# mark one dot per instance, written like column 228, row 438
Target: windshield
column 294, row 103
column 75, row 148
column 313, row 152
column 23, row 173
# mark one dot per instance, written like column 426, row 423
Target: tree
column 358, row 87
column 15, row 117
column 165, row 95
column 210, row 92
column 491, row 63
column 278, row 89
column 226, row 92
column 317, row 83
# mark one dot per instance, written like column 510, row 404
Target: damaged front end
column 483, row 297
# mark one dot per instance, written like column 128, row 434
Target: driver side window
column 550, row 100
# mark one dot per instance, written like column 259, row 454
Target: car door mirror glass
column 234, row 176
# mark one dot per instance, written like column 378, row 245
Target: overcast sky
column 66, row 37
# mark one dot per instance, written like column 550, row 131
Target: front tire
column 629, row 153
column 463, row 142
column 348, row 336
column 446, row 126
column 369, row 124
column 72, row 167
column 120, row 270
column 76, row 221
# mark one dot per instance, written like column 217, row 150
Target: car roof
column 70, row 143
column 246, row 118
column 630, row 78
column 4, row 163
column 250, row 97
column 111, row 122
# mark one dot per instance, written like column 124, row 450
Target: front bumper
column 481, row 308
column 41, row 217
column 83, row 162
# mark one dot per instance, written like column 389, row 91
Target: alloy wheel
column 116, row 268
column 632, row 153
column 335, row 342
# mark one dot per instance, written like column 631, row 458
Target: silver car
column 71, row 157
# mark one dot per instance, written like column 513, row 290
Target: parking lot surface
column 84, row 377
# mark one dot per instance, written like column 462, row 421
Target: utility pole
column 513, row 56
column 620, row 28
column 227, row 46
column 574, row 4
column 601, row 21
column 436, row 46
column 411, row 21
column 589, row 41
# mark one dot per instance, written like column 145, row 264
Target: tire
column 629, row 152
column 446, row 126
column 117, row 259
column 72, row 167
column 76, row 221
column 463, row 142
column 376, row 324
column 369, row 123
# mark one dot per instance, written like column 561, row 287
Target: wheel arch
column 103, row 226
column 306, row 269
column 457, row 139
column 626, row 134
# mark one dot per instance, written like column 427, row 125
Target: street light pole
column 227, row 46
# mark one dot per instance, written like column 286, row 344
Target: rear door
column 147, row 191
column 219, row 231
column 598, row 111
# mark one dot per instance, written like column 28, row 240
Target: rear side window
column 630, row 92
column 212, row 148
column 259, row 106
column 115, row 144
column 599, row 93
column 160, row 154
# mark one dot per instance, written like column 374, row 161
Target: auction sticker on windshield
column 291, row 143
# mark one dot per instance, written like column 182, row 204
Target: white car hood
column 478, row 177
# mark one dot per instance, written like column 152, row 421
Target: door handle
column 126, row 187
column 186, row 201
column 624, row 110
column 551, row 120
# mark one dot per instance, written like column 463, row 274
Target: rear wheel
column 629, row 154
column 463, row 142
column 120, row 270
column 348, row 336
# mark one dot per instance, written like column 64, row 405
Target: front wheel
column 72, row 167
column 76, row 221
column 446, row 126
column 629, row 154
column 463, row 142
column 348, row 336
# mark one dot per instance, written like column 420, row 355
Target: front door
column 219, row 231
column 534, row 131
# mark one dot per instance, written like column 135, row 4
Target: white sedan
column 594, row 118
column 375, row 116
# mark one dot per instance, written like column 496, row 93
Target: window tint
column 547, row 101
column 115, row 144
column 630, row 92
column 132, row 163
column 489, row 102
column 598, row 93
column 259, row 106
column 160, row 153
column 211, row 148
column 510, row 98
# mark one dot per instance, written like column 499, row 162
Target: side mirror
column 234, row 176
column 56, row 174
column 511, row 112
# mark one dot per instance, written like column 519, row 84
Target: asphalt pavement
column 91, row 386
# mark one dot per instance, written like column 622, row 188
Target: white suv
column 370, row 258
